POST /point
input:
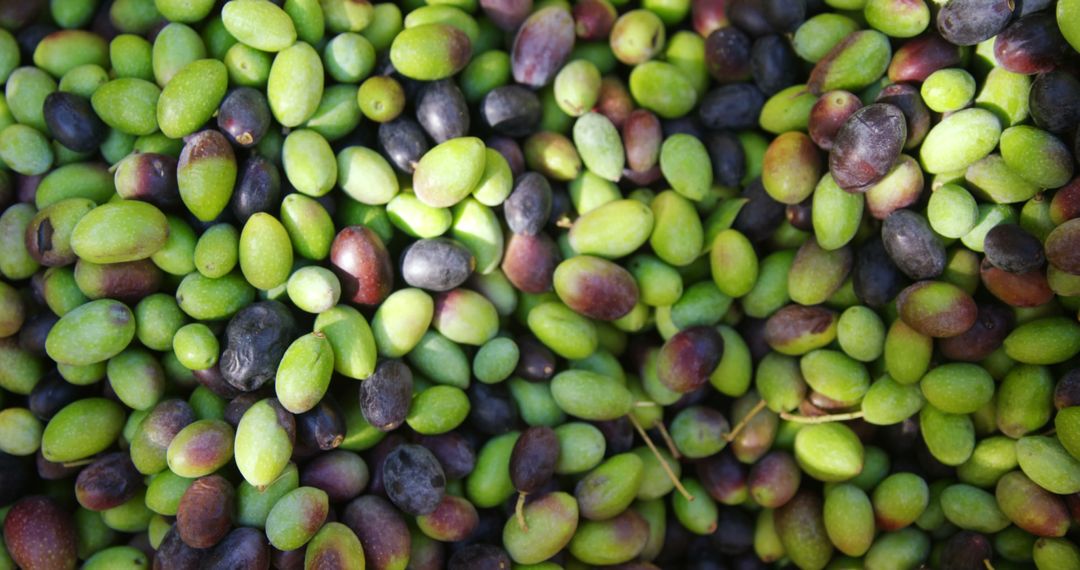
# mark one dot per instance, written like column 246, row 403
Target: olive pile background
column 539, row 284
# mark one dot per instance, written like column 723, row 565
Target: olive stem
column 663, row 462
column 670, row 443
column 79, row 463
column 731, row 435
column 986, row 562
column 821, row 419
column 519, row 509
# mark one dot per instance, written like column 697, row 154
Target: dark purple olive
column 255, row 340
column 773, row 64
column 288, row 559
column 687, row 125
column 1025, row 7
column 342, row 474
column 244, row 116
column 912, row 245
column 377, row 456
column 213, row 380
column 385, row 396
column 993, row 323
column 436, row 264
column 321, row 428
column 413, row 479
column 40, row 535
column 542, row 45
column 875, row 278
column 618, row 435
column 966, row 550
column 593, row 19
column 14, row 15
column 258, row 189
column 750, row 16
column 26, row 187
column 35, row 331
column 30, row 36
column 687, row 359
column 1033, row 44
column 173, row 554
column 244, row 548
column 1013, row 249
column 734, row 532
column 479, row 557
column 453, row 451
column 533, row 460
column 52, row 393
column 761, row 215
column 72, row 121
column 867, row 146
column 511, row 110
column 727, row 55
column 727, row 156
column 1067, row 391
column 492, row 408
column 916, row 116
column 917, row 58
column 442, row 111
column 968, row 22
column 50, row 471
column 507, row 14
column 529, row 262
column 1076, row 147
column 536, row 362
column 800, row 215
column 510, row 150
column 239, row 405
column 735, row 106
column 403, row 142
column 108, row 482
column 1054, row 100
column 361, row 262
column 723, row 477
column 784, row 16
column 529, row 205
column 381, row 529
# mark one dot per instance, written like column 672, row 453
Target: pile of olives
column 539, row 284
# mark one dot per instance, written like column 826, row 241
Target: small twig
column 730, row 436
column 821, row 419
column 670, row 443
column 663, row 462
column 986, row 562
column 520, row 510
